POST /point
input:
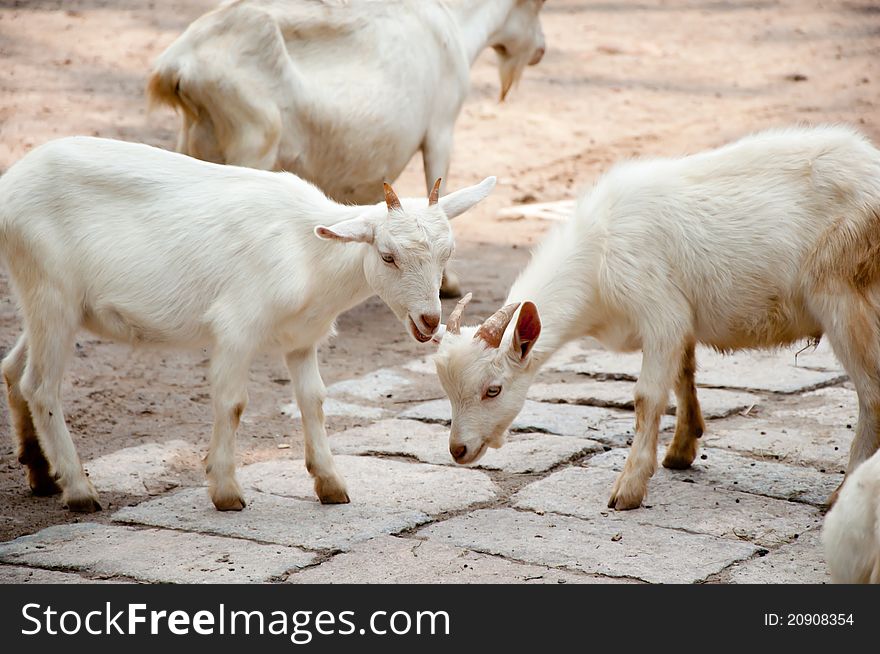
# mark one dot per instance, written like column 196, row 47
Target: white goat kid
column 766, row 241
column 342, row 94
column 851, row 534
column 150, row 247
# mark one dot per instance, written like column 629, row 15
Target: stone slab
column 714, row 402
column 338, row 408
column 19, row 574
column 607, row 547
column 154, row 555
column 794, row 442
column 429, row 443
column 142, row 469
column 799, row 562
column 391, row 560
column 273, row 519
column 583, row 493
column 834, row 406
column 379, row 483
column 604, row 425
column 423, row 366
column 816, row 429
column 731, row 471
column 778, row 371
column 376, row 386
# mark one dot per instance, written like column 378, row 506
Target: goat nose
column 457, row 451
column 430, row 320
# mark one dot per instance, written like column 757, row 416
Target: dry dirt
column 620, row 79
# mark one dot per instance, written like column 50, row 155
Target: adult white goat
column 342, row 94
column 851, row 534
column 151, row 247
column 760, row 243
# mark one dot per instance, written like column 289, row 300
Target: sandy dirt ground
column 620, row 79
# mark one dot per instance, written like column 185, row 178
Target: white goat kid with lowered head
column 851, row 534
column 150, row 247
column 760, row 243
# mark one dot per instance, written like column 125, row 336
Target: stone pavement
column 748, row 511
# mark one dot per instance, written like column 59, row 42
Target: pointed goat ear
column 460, row 201
column 528, row 328
column 353, row 230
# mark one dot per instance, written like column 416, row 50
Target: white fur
column 768, row 240
column 851, row 534
column 150, row 247
column 341, row 93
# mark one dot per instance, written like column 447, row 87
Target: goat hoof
column 226, row 494
column 331, row 492
column 80, row 496
column 335, row 499
column 678, row 461
column 230, row 504
column 83, row 505
column 619, row 503
column 625, row 495
column 229, row 500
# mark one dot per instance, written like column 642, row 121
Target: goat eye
column 492, row 391
column 388, row 258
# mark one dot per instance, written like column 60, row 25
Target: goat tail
column 163, row 88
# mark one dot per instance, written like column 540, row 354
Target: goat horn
column 434, row 198
column 493, row 327
column 391, row 197
column 453, row 325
